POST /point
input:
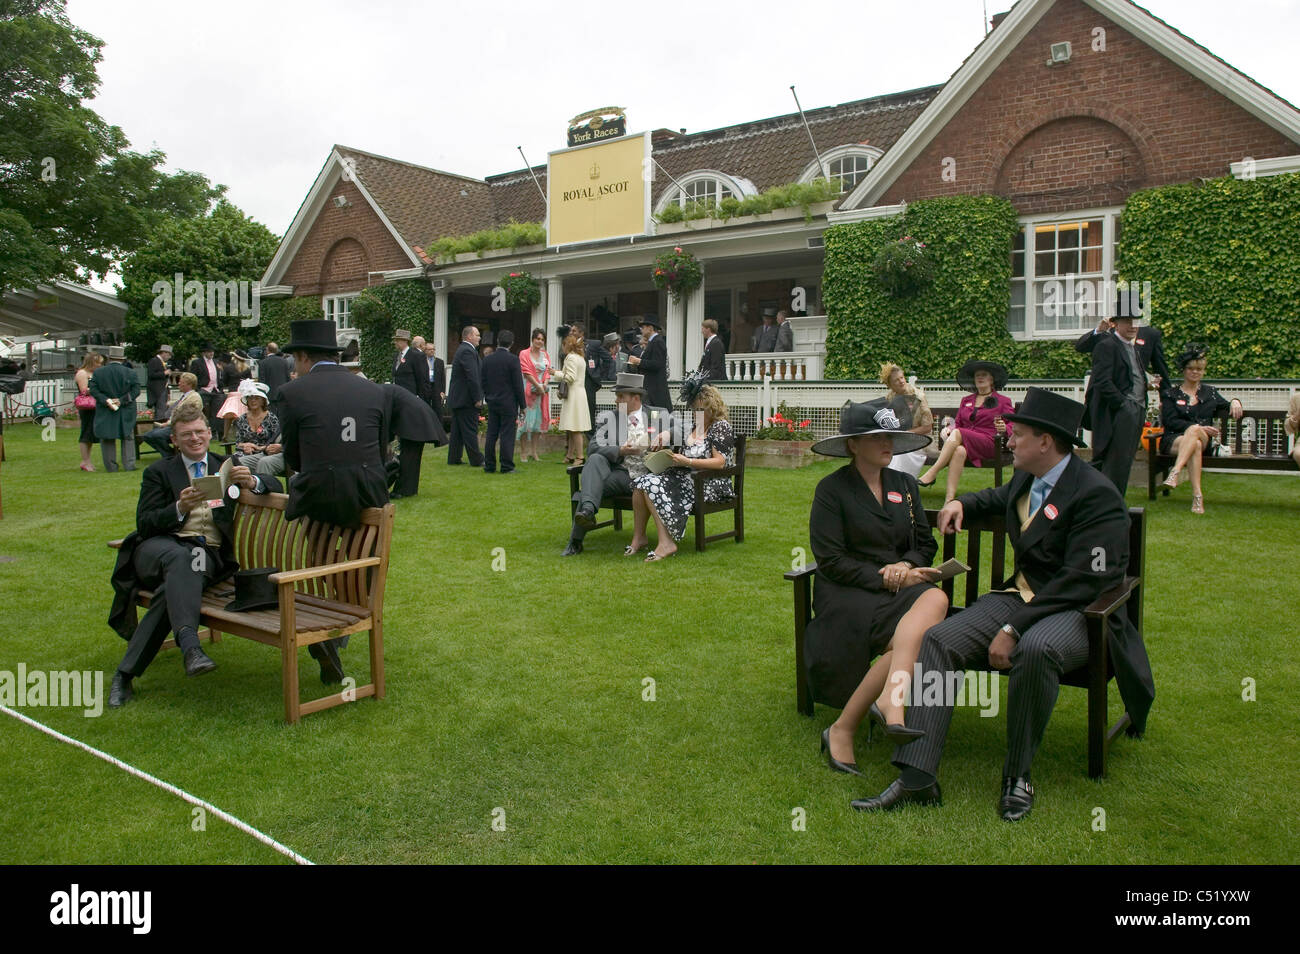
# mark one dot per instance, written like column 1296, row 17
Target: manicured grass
column 522, row 689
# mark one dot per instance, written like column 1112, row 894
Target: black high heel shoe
column 927, row 483
column 850, row 768
column 898, row 733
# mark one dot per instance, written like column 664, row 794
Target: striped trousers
column 1050, row 648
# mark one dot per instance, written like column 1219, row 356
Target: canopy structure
column 61, row 310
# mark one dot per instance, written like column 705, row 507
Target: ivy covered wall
column 377, row 312
column 961, row 314
column 1223, row 259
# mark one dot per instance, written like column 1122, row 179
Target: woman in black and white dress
column 670, row 496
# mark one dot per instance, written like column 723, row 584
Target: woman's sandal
column 655, row 558
column 1198, row 503
column 629, row 550
column 926, row 483
column 1171, row 481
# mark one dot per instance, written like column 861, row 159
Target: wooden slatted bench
column 331, row 584
column 999, row 462
column 1267, row 450
column 702, row 507
column 1095, row 676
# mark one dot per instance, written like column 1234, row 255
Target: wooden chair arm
column 808, row 570
column 115, row 544
column 573, row 469
column 315, row 572
column 1112, row 599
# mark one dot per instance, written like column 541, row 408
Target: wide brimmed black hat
column 312, row 334
column 881, row 416
column 652, row 320
column 966, row 376
column 254, row 590
column 1049, row 411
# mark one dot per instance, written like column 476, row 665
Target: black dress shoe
column 896, row 796
column 586, row 519
column 119, row 691
column 331, row 664
column 1017, row 798
column 573, row 549
column 197, row 662
column 850, row 768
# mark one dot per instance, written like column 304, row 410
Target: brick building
column 1065, row 108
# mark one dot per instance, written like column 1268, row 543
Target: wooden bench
column 736, row 504
column 1094, row 676
column 331, row 583
column 1267, row 450
column 1000, row 461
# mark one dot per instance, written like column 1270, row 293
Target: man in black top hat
column 653, row 363
column 156, row 371
column 182, row 544
column 1117, row 400
column 1069, row 528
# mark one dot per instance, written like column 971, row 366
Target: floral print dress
column 673, row 492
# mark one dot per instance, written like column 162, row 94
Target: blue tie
column 1037, row 493
column 198, row 468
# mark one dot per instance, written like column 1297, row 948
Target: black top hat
column 207, row 346
column 652, row 320
column 881, row 416
column 966, row 376
column 1049, row 411
column 254, row 590
column 631, row 336
column 312, row 334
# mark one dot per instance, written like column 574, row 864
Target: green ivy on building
column 1223, row 259
column 377, row 312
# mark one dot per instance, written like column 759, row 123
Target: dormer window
column 844, row 165
column 705, row 187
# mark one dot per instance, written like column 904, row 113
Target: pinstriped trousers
column 1053, row 646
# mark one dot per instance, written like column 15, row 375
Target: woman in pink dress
column 536, row 366
column 974, row 434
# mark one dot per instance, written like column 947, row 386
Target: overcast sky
column 253, row 94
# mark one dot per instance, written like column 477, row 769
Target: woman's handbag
column 562, row 389
column 84, row 402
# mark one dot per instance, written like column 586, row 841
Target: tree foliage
column 225, row 246
column 73, row 197
column 1222, row 260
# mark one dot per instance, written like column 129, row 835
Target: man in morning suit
column 1148, row 340
column 465, row 397
column 714, row 360
column 784, row 332
column 411, row 373
column 181, row 544
column 437, row 378
column 653, row 363
column 616, row 453
column 600, row 367
column 208, row 373
column 156, row 385
column 1117, row 401
column 273, row 371
column 503, row 388
column 765, row 334
column 1069, row 528
column 333, row 427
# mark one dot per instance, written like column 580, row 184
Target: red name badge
column 894, row 496
column 1182, row 403
column 1141, row 341
column 1050, row 511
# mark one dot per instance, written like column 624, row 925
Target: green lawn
column 522, row 690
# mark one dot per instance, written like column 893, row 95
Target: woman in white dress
column 575, row 420
column 922, row 420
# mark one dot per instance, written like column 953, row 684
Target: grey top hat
column 165, row 348
column 402, row 333
column 629, row 383
column 881, row 416
column 610, row 339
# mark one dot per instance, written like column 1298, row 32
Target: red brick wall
column 1088, row 133
column 341, row 246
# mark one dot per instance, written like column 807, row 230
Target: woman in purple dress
column 974, row 434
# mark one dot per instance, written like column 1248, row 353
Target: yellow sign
column 599, row 191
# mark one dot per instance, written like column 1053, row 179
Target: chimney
column 998, row 18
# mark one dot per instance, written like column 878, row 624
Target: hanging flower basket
column 904, row 267
column 523, row 292
column 677, row 271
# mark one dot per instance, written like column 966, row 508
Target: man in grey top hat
column 617, row 452
column 765, row 336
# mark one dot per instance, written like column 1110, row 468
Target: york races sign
column 599, row 189
column 597, row 125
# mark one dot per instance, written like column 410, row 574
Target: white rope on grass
column 165, row 786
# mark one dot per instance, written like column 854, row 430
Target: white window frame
column 852, row 150
column 337, row 300
column 1109, row 217
column 738, row 187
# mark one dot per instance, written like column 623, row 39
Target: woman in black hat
column 974, row 434
column 1188, row 411
column 874, row 595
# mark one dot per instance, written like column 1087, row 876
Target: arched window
column 705, row 186
column 846, row 165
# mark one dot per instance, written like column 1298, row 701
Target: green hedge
column 1223, row 259
column 377, row 312
column 962, row 314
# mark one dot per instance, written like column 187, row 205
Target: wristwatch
column 1010, row 631
column 908, row 563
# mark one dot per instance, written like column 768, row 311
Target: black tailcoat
column 273, row 371
column 1059, row 556
column 411, row 371
column 654, row 366
column 1108, row 389
column 332, row 426
column 714, row 360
